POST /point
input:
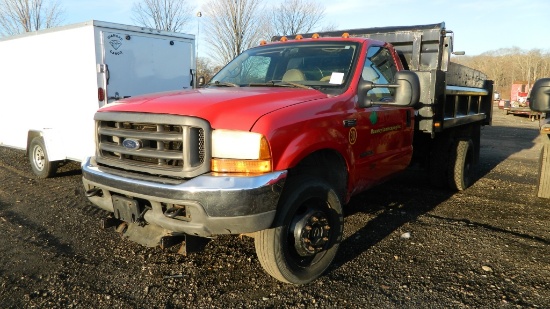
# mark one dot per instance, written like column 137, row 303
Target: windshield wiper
column 223, row 84
column 280, row 83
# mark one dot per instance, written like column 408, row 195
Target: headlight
column 240, row 152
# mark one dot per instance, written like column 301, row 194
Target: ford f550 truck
column 283, row 136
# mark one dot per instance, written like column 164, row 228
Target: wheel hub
column 311, row 233
column 39, row 158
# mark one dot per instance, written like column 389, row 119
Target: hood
column 228, row 108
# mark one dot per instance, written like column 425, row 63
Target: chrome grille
column 167, row 145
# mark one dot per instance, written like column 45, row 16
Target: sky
column 478, row 25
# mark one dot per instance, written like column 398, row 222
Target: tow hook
column 94, row 192
column 175, row 212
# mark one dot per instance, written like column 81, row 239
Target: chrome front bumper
column 213, row 204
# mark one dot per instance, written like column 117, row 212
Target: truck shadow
column 68, row 168
column 386, row 208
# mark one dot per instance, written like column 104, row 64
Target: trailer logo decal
column 115, row 41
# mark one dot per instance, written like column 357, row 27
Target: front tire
column 307, row 232
column 42, row 167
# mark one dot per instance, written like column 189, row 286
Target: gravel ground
column 406, row 245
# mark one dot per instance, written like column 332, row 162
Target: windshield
column 321, row 65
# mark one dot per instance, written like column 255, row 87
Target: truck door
column 138, row 64
column 384, row 133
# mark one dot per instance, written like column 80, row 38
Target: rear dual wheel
column 460, row 165
column 306, row 234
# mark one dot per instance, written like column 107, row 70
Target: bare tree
column 232, row 26
column 19, row 16
column 507, row 66
column 206, row 69
column 169, row 15
column 296, row 16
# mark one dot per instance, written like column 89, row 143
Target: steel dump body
column 451, row 94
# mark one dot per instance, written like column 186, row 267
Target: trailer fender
column 53, row 142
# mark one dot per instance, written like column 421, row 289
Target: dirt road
column 406, row 245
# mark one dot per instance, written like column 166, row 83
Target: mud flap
column 148, row 235
column 152, row 236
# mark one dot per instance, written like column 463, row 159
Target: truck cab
column 369, row 124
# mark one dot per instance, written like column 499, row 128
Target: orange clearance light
column 437, row 124
column 345, row 35
column 315, row 36
column 299, row 37
column 263, row 42
column 284, row 39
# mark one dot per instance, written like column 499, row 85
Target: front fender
column 289, row 153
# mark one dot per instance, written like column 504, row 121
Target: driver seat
column 293, row 75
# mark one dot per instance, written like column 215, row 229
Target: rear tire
column 460, row 165
column 42, row 167
column 307, row 231
column 543, row 186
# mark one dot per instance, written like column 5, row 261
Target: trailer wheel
column 460, row 165
column 38, row 158
column 306, row 233
column 543, row 185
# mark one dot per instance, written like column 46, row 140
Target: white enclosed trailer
column 54, row 80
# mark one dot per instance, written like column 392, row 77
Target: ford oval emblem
column 133, row 144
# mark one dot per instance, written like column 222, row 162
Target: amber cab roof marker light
column 315, row 36
column 345, row 35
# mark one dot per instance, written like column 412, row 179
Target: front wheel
column 38, row 158
column 307, row 232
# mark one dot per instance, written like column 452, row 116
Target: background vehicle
column 56, row 79
column 281, row 139
column 540, row 102
column 519, row 101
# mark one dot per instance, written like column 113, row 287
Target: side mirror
column 407, row 90
column 201, row 81
column 540, row 96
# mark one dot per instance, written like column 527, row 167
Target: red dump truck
column 282, row 137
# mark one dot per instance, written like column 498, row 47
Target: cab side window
column 380, row 69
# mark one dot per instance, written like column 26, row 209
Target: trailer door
column 138, row 64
